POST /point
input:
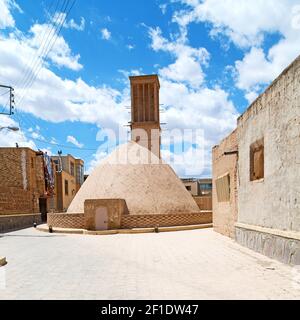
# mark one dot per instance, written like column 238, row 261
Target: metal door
column 101, row 219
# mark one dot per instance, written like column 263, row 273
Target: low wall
column 66, row 220
column 77, row 221
column 281, row 245
column 18, row 221
column 165, row 220
column 204, row 203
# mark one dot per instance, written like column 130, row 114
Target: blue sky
column 211, row 61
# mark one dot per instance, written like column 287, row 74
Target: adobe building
column 133, row 187
column 201, row 190
column 69, row 179
column 192, row 185
column 261, row 160
column 205, row 187
column 27, row 186
column 224, row 196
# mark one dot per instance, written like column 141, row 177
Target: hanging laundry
column 49, row 174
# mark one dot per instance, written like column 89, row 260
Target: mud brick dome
column 133, row 185
column 146, row 183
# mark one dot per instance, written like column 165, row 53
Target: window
column 79, row 174
column 56, row 165
column 223, row 188
column 188, row 188
column 206, row 186
column 66, row 187
column 257, row 160
column 72, row 172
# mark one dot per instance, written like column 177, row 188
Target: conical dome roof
column 136, row 175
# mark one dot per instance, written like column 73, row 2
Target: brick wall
column 204, row 203
column 14, row 201
column 66, row 220
column 168, row 220
column 22, row 181
column 225, row 213
column 77, row 221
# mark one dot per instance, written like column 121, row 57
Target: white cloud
column 6, row 18
column 37, row 135
column 74, row 141
column 163, row 7
column 9, row 138
column 133, row 72
column 97, row 158
column 246, row 24
column 71, row 24
column 253, row 69
column 60, row 53
column 52, row 98
column 130, row 46
column 106, row 34
column 251, row 96
column 188, row 60
column 208, row 108
column 190, row 103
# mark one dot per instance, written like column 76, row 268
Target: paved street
column 179, row 265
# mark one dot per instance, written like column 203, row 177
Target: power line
column 35, row 58
column 63, row 146
column 4, row 93
column 46, row 48
column 57, row 27
column 4, row 107
column 40, row 53
column 58, row 144
column 55, row 37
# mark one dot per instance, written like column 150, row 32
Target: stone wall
column 275, row 244
column 16, row 222
column 225, row 213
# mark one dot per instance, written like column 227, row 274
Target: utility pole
column 11, row 100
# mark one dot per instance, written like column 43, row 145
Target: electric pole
column 10, row 91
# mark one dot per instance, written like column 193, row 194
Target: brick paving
column 196, row 264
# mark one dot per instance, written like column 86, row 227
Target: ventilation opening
column 257, row 160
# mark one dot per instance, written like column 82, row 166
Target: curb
column 44, row 228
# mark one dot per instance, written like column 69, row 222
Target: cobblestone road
column 180, row 265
